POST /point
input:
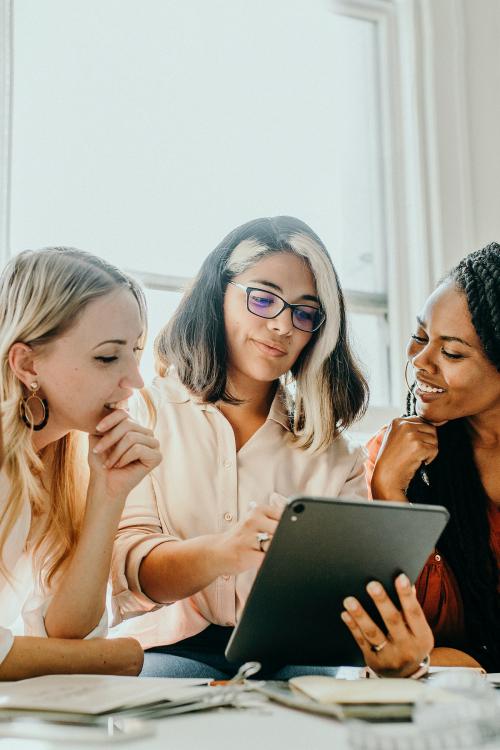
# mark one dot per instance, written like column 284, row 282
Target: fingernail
column 350, row 603
column 97, row 449
column 99, row 427
column 345, row 617
column 404, row 581
column 374, row 588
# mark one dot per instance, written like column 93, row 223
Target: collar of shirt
column 179, row 394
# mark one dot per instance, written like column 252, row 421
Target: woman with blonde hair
column 70, row 329
column 257, row 384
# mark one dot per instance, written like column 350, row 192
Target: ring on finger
column 262, row 536
column 377, row 647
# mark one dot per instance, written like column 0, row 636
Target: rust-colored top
column 437, row 588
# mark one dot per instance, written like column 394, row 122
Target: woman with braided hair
column 447, row 451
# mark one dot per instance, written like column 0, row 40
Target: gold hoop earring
column 25, row 411
column 410, row 387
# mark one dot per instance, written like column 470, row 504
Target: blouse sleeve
column 439, row 597
column 6, row 641
column 139, row 532
column 355, row 485
column 373, row 449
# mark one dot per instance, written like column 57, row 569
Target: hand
column 124, row 454
column 239, row 548
column 409, row 638
column 408, row 443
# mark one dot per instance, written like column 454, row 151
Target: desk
column 267, row 726
column 271, row 726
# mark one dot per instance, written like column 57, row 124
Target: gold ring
column 377, row 647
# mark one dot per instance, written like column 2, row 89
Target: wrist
column 100, row 495
column 421, row 671
column 382, row 491
column 217, row 556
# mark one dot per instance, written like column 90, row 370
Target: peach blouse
column 204, row 486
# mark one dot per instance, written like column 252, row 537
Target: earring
column 410, row 387
column 25, row 411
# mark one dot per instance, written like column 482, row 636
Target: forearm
column 32, row 657
column 452, row 657
column 178, row 569
column 80, row 600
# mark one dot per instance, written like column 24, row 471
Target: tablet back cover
column 323, row 551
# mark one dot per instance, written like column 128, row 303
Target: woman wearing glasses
column 265, row 311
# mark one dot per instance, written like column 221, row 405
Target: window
column 145, row 132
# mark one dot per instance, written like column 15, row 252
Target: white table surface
column 270, row 726
column 262, row 727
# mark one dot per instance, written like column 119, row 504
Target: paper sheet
column 331, row 690
column 93, row 694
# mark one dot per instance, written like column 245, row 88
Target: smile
column 428, row 388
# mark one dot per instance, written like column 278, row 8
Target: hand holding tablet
column 324, row 552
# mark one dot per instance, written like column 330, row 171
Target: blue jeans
column 202, row 656
column 168, row 665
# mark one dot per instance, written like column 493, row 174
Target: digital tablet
column 322, row 551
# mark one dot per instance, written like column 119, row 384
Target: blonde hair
column 330, row 390
column 42, row 293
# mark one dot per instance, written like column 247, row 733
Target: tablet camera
column 298, row 508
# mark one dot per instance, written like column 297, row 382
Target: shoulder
column 345, row 451
column 146, row 405
column 168, row 389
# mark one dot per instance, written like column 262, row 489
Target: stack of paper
column 94, row 694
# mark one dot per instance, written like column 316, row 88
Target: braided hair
column 454, row 479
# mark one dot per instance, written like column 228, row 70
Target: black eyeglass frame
column 292, row 307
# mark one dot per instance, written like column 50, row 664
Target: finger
column 413, row 613
column 370, row 630
column 357, row 634
column 261, row 546
column 114, row 434
column 265, row 545
column 431, row 457
column 267, row 511
column 148, row 457
column 128, row 441
column 392, row 617
column 111, row 420
column 264, row 524
column 426, row 428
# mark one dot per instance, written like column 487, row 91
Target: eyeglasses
column 269, row 305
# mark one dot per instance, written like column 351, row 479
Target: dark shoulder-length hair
column 454, row 479
column 330, row 390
